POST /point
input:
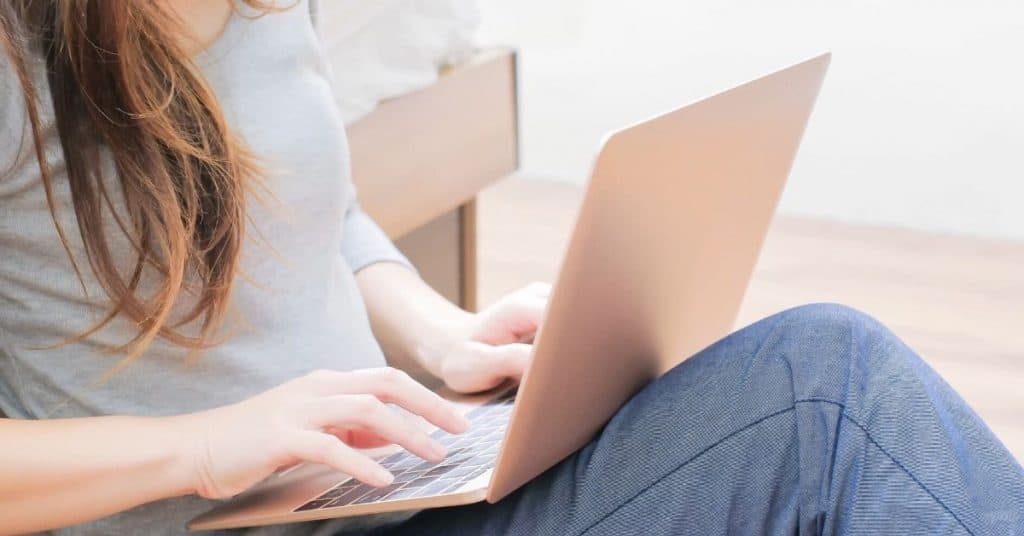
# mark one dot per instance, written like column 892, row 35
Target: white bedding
column 384, row 48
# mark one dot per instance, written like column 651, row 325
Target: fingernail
column 463, row 423
column 437, row 450
column 383, row 476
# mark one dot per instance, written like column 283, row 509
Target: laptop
column 670, row 228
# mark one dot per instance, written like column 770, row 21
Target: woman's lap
column 815, row 419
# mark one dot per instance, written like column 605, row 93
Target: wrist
column 187, row 435
column 414, row 324
column 442, row 339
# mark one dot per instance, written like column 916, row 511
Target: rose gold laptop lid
column 664, row 246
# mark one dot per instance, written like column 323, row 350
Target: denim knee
column 832, row 350
column 833, row 316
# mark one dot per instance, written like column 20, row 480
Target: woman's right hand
column 315, row 418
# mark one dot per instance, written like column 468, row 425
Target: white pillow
column 384, row 48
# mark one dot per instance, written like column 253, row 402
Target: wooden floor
column 959, row 302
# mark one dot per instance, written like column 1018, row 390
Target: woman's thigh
column 816, row 420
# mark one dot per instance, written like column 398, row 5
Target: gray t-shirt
column 297, row 301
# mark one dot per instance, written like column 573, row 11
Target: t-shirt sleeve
column 364, row 242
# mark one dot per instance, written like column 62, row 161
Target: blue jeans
column 817, row 420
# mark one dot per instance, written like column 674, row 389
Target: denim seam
column 822, row 508
column 765, row 418
column 683, row 464
column 902, row 467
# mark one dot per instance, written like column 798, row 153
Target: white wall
column 920, row 124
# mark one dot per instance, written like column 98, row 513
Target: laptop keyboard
column 469, row 456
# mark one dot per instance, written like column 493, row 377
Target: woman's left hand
column 495, row 344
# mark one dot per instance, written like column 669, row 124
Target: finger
column 511, row 360
column 366, row 439
column 471, row 369
column 532, row 309
column 328, row 450
column 515, row 320
column 369, row 413
column 488, row 366
column 358, row 438
column 392, row 385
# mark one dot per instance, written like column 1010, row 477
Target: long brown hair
column 120, row 84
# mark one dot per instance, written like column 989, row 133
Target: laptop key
column 476, row 431
column 470, row 455
column 405, row 463
column 440, row 470
column 377, row 494
column 461, row 459
column 421, row 481
column 477, row 471
column 464, row 443
column 461, row 471
column 405, row 493
column 448, row 440
column 440, row 486
column 313, row 505
column 351, row 495
column 393, row 458
column 423, row 466
column 335, row 492
column 408, row 476
column 439, row 433
column 479, row 411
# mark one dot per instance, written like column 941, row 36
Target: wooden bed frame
column 419, row 161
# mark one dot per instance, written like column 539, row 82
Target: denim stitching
column 831, row 469
column 765, row 418
column 867, row 434
column 683, row 464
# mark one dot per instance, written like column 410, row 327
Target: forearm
column 412, row 322
column 59, row 472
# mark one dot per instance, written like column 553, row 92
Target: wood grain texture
column 958, row 301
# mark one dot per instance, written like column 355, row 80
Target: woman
column 188, row 290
